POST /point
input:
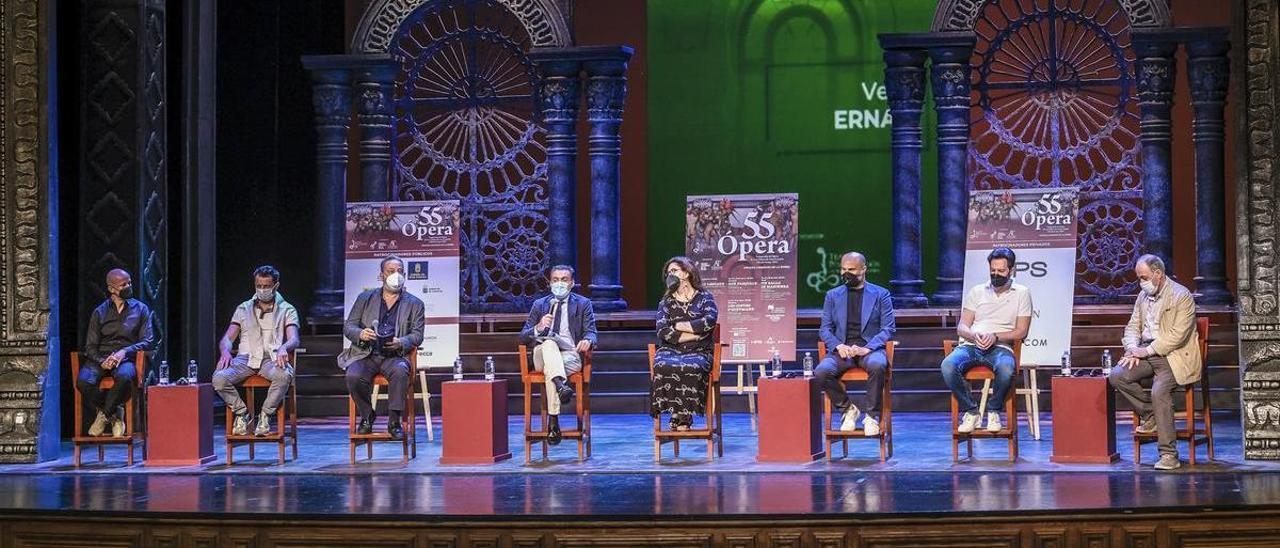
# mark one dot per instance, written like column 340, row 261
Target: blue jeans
column 998, row 358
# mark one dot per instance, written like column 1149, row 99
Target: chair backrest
column 1202, row 334
column 717, row 347
column 949, row 345
column 888, row 351
column 526, row 370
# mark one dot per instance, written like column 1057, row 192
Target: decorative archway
column 1058, row 104
column 464, row 127
column 960, row 15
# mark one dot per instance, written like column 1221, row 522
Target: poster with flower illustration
column 425, row 235
column 744, row 246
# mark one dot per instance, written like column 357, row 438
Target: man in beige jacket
column 1160, row 344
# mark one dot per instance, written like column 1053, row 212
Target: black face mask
column 126, row 293
column 998, row 280
column 851, row 279
column 673, row 281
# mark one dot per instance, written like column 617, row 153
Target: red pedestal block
column 1084, row 410
column 179, row 425
column 790, row 420
column 474, row 415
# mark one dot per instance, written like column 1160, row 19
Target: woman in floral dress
column 686, row 319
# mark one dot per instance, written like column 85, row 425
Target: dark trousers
column 126, row 376
column 1128, row 382
column 360, row 382
column 833, row 366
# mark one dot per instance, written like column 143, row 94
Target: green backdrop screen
column 781, row 96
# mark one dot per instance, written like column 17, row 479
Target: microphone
column 374, row 328
column 554, row 304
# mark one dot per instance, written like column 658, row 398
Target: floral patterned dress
column 681, row 370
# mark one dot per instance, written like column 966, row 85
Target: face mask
column 998, row 280
column 126, row 292
column 560, row 289
column 1148, row 286
column 673, row 281
column 394, row 283
column 265, row 295
column 851, row 279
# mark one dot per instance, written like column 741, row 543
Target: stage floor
column 622, row 479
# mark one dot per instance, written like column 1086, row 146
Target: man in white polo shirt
column 992, row 317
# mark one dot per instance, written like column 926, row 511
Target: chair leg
column 677, row 448
column 426, row 407
column 75, row 455
column 101, row 454
column 230, row 451
column 352, row 445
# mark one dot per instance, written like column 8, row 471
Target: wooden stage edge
column 1259, row 527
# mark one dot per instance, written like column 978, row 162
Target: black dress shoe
column 365, row 426
column 395, row 430
column 553, row 435
column 563, row 389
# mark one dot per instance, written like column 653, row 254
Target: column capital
column 595, row 60
column 1208, row 67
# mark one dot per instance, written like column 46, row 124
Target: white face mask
column 394, row 283
column 265, row 295
column 1148, row 286
column 560, row 289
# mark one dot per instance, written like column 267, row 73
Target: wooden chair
column 410, row 442
column 534, row 381
column 286, row 431
column 858, row 374
column 986, row 375
column 713, row 431
column 1188, row 432
column 131, row 434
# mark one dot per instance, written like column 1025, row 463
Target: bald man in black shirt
column 119, row 328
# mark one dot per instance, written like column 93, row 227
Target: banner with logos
column 425, row 235
column 1039, row 225
column 744, row 246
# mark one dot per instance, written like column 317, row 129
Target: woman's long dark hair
column 695, row 280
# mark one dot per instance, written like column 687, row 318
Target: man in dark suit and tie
column 560, row 327
column 384, row 326
column 857, row 322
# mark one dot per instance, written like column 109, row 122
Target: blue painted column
column 904, row 84
column 1207, row 71
column 374, row 88
column 950, row 79
column 1156, row 70
column 558, row 98
column 606, row 68
column 331, row 96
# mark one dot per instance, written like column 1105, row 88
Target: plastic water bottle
column 488, row 368
column 164, row 372
column 1106, row 362
column 192, row 372
column 1066, row 363
column 457, row 368
column 808, row 365
column 777, row 364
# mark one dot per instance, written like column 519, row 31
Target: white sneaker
column 870, row 427
column 99, row 425
column 117, row 427
column 968, row 423
column 241, row 426
column 993, row 421
column 850, row 421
